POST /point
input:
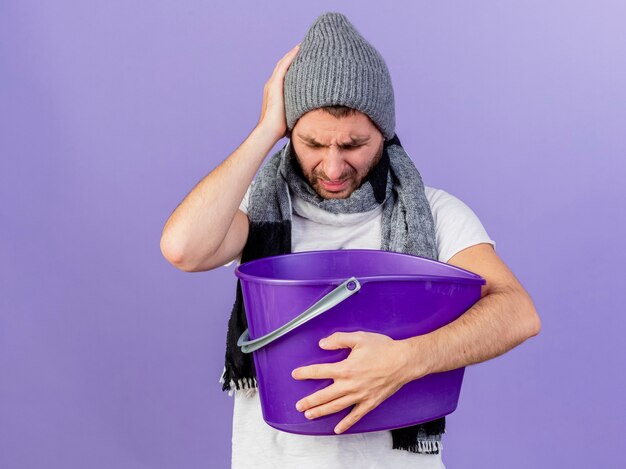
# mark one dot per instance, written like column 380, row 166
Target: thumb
column 340, row 340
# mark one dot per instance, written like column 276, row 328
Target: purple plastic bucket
column 399, row 295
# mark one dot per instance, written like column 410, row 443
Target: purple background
column 110, row 113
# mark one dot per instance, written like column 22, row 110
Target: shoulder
column 440, row 199
column 457, row 226
column 446, row 207
column 443, row 203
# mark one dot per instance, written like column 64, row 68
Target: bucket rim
column 469, row 276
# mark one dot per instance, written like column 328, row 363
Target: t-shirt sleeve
column 243, row 206
column 457, row 226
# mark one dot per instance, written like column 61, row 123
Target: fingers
column 323, row 396
column 331, row 407
column 283, row 64
column 288, row 57
column 342, row 340
column 272, row 107
column 331, row 400
column 320, row 371
column 353, row 417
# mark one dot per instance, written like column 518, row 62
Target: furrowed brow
column 353, row 140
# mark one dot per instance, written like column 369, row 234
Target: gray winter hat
column 336, row 65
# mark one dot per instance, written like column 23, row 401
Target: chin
column 344, row 194
column 336, row 195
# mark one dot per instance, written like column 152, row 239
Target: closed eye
column 343, row 147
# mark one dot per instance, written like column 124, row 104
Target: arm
column 207, row 229
column 503, row 318
column 378, row 366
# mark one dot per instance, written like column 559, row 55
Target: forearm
column 200, row 222
column 495, row 324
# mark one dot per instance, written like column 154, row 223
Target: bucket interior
column 341, row 264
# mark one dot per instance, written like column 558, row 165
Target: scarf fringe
column 248, row 386
column 422, row 447
column 419, row 440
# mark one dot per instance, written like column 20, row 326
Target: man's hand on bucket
column 375, row 369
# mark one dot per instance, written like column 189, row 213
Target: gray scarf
column 407, row 227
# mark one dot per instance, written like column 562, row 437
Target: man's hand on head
column 273, row 117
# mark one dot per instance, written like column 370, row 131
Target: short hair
column 339, row 111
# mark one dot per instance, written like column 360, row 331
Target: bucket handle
column 336, row 296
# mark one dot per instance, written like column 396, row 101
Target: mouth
column 333, row 186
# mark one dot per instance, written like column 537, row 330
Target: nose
column 333, row 164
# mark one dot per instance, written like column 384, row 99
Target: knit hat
column 336, row 65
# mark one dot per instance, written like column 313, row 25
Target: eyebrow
column 353, row 141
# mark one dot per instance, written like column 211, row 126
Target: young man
column 342, row 181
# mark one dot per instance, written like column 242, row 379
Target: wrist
column 266, row 133
column 418, row 355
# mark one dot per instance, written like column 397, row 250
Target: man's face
column 336, row 154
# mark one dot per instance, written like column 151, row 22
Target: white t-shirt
column 254, row 442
